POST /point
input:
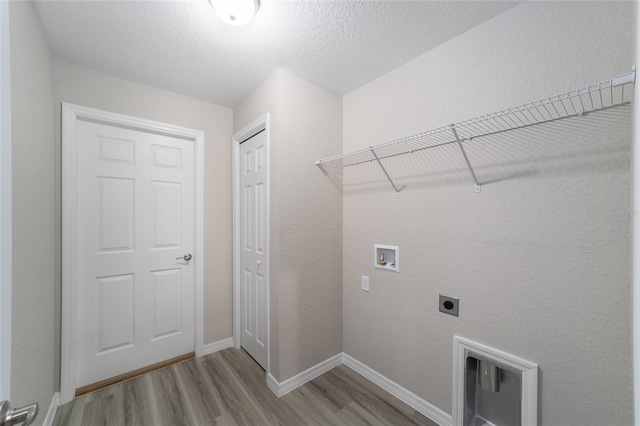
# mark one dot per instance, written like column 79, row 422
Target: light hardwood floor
column 228, row 387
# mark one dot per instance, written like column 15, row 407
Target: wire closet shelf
column 608, row 94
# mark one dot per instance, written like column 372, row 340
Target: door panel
column 116, row 200
column 115, row 312
column 253, row 235
column 166, row 202
column 167, row 307
column 260, row 311
column 136, row 206
column 260, row 217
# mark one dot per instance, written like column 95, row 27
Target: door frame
column 71, row 114
column 5, row 205
column 260, row 124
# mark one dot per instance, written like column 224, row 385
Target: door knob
column 14, row 416
column 186, row 257
column 259, row 262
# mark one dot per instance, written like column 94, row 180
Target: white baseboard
column 273, row 384
column 414, row 401
column 300, row 379
column 218, row 346
column 404, row 395
column 51, row 413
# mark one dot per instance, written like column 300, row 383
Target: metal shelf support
column 385, row 172
column 464, row 154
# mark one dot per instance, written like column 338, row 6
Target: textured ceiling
column 183, row 47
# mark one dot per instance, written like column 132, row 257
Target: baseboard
column 404, row 395
column 273, row 384
column 53, row 407
column 290, row 384
column 218, row 346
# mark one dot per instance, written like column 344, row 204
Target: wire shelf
column 595, row 97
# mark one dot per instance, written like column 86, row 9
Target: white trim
column 273, row 384
column 70, row 115
column 307, row 375
column 414, row 401
column 262, row 123
column 210, row 348
column 636, row 235
column 53, row 407
column 404, row 395
column 198, row 137
column 5, row 205
column 235, row 181
column 67, row 330
column 529, row 397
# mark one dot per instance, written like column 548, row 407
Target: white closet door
column 253, row 240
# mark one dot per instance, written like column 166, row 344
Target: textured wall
column 310, row 227
column 306, row 220
column 541, row 257
column 89, row 88
column 34, row 374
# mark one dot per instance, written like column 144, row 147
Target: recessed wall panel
column 259, row 219
column 260, row 158
column 166, row 199
column 247, row 223
column 115, row 214
column 260, row 300
column 167, row 299
column 248, row 297
column 247, row 163
column 166, row 157
column 116, row 150
column 115, row 312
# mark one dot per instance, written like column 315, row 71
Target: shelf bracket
column 464, row 154
column 385, row 172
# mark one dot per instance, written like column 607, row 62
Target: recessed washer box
column 386, row 257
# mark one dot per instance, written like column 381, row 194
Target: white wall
column 541, row 257
column 306, row 220
column 310, row 227
column 82, row 86
column 34, row 374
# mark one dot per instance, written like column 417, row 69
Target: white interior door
column 254, row 246
column 135, row 223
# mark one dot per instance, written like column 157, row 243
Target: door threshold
column 130, row 375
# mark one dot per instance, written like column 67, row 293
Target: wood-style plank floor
column 228, row 387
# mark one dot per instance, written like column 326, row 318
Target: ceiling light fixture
column 236, row 12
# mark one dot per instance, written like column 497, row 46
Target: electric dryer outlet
column 449, row 305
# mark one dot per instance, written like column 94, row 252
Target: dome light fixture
column 236, row 12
